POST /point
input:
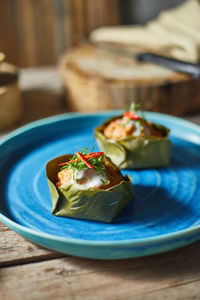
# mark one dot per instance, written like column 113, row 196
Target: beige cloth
column 175, row 32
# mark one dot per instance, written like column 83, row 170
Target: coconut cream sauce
column 137, row 125
column 88, row 177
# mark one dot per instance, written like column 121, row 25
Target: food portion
column 87, row 186
column 131, row 124
column 93, row 170
column 134, row 142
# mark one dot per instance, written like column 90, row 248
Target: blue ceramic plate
column 163, row 215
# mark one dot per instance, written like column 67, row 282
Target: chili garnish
column 94, row 154
column 85, row 160
column 87, row 156
column 131, row 115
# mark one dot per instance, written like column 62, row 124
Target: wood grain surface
column 96, row 79
column 35, row 33
column 16, row 250
column 41, row 274
column 30, row 272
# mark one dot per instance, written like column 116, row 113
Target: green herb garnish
column 94, row 158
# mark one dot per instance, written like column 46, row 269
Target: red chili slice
column 87, row 156
column 131, row 115
column 94, row 154
column 85, row 160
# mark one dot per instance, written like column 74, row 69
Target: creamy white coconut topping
column 89, row 177
column 137, row 125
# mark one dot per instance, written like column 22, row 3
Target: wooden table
column 28, row 271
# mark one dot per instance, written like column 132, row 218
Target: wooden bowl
column 10, row 96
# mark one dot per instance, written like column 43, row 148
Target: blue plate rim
column 53, row 119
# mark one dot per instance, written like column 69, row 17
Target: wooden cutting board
column 96, row 79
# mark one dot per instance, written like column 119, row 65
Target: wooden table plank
column 14, row 249
column 77, row 278
column 194, row 119
column 188, row 291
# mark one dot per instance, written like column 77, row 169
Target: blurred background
column 36, row 33
column 34, row 36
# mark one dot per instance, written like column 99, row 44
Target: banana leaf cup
column 136, row 152
column 82, row 202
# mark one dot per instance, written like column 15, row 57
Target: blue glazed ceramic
column 163, row 215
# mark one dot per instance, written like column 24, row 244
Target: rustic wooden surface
column 35, row 33
column 28, row 271
column 96, row 79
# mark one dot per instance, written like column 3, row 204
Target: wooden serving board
column 96, row 79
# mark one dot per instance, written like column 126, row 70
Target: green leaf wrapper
column 136, row 152
column 79, row 201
